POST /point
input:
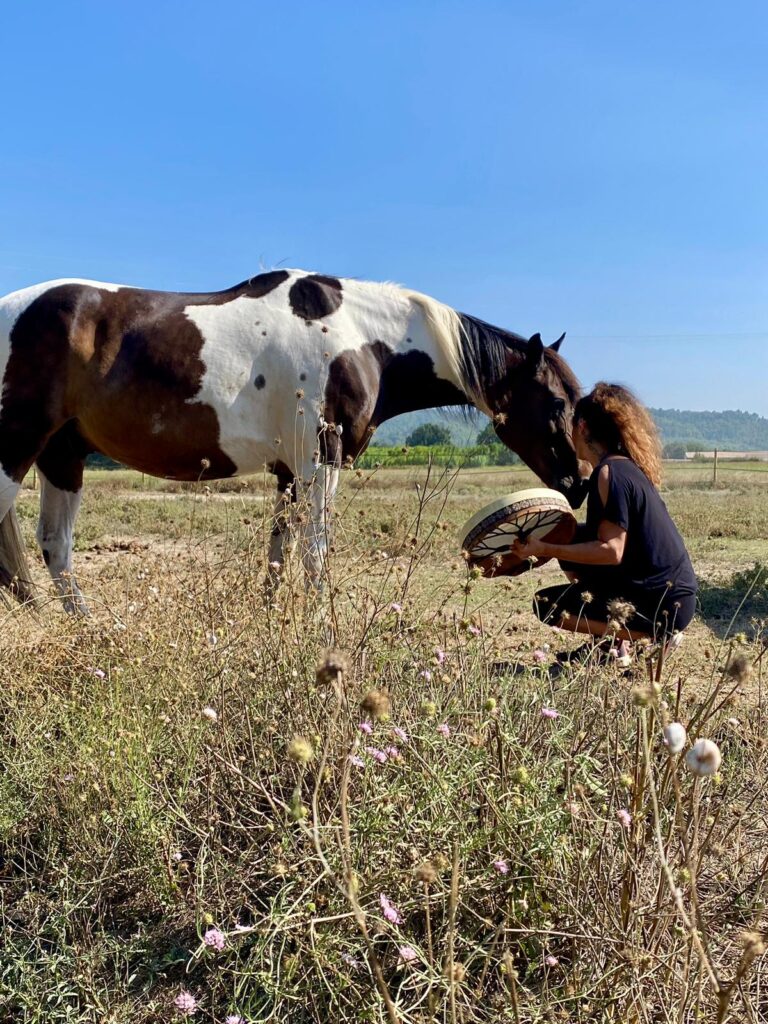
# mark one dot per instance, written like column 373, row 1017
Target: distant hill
column 730, row 430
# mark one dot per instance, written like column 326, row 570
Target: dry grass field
column 204, row 814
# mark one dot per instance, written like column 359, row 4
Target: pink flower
column 474, row 630
column 625, row 818
column 551, row 961
column 400, row 734
column 407, row 954
column 396, row 608
column 99, row 673
column 185, row 1003
column 366, row 727
column 426, row 674
column 440, row 655
column 234, row 1018
column 549, row 713
column 390, row 912
column 377, row 754
column 444, row 729
column 539, row 656
column 501, row 866
column 215, row 939
column 393, row 752
column 358, row 762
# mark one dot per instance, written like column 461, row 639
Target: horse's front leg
column 315, row 509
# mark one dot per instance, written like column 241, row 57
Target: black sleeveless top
column 655, row 559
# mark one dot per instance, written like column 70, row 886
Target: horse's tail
column 14, row 567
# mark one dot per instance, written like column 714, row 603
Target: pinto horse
column 290, row 369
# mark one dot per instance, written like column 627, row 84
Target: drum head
column 489, row 534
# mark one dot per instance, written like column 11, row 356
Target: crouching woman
column 630, row 574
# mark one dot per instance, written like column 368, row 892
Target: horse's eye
column 558, row 410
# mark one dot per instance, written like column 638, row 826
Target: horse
column 289, row 369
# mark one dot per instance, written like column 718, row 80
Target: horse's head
column 532, row 406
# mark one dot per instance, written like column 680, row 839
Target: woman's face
column 580, row 441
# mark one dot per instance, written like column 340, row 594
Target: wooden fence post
column 714, row 470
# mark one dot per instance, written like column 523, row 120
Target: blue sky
column 595, row 167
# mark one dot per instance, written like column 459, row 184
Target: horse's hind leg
column 319, row 493
column 61, row 477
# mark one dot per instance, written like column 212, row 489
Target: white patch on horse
column 294, row 357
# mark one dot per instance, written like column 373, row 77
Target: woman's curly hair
column 616, row 419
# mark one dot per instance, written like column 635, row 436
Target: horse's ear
column 555, row 346
column 534, row 353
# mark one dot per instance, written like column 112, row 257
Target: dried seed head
column 455, row 972
column 300, row 750
column 587, row 597
column 376, row 704
column 739, row 668
column 753, row 944
column 674, row 737
column 334, row 663
column 621, row 610
column 426, row 873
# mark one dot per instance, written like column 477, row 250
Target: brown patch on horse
column 315, row 296
column 372, row 384
column 126, row 366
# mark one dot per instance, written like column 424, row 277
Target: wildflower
column 376, row 754
column 674, row 642
column 407, row 954
column 587, row 597
column 358, row 762
column 211, row 714
column 440, row 656
column 185, row 1003
column 474, row 630
column 429, row 708
column 212, row 638
column 300, row 750
column 400, row 734
column 520, row 775
column 389, row 910
column 549, row 713
column 625, row 818
column 444, row 729
column 215, row 938
column 351, row 961
column 333, row 664
column 490, row 705
column 551, row 961
column 376, row 704
column 275, row 566
column 539, row 656
column 234, row 1018
column 393, row 752
column 739, row 668
column 703, row 758
column 674, row 737
column 425, row 674
column 365, row 727
column 501, row 866
column 396, row 608
column 99, row 673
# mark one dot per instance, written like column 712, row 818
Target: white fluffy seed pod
column 675, row 737
column 704, row 757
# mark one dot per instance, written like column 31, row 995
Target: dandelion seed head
column 675, row 737
column 704, row 758
column 211, row 714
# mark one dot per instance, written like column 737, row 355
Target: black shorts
column 656, row 614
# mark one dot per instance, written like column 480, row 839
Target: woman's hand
column 530, row 548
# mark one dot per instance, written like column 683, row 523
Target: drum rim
column 538, row 493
